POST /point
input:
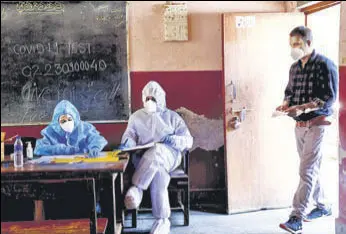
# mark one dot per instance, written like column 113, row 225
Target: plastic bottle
column 18, row 152
column 29, row 151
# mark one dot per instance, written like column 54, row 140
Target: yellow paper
column 111, row 156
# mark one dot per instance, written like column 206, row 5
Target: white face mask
column 67, row 126
column 297, row 53
column 150, row 106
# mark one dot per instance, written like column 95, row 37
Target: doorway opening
column 325, row 26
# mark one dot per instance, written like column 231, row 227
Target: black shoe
column 318, row 213
column 293, row 225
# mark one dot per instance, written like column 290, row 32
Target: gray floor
column 263, row 222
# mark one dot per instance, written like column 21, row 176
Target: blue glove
column 94, row 152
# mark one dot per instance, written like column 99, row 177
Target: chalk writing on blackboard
column 81, row 57
column 40, row 7
column 107, row 15
column 65, row 68
column 53, row 47
column 3, row 13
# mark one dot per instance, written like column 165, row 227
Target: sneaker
column 293, row 225
column 318, row 213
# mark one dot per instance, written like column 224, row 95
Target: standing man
column 309, row 96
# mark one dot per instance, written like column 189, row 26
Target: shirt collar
column 311, row 59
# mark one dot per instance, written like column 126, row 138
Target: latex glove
column 94, row 152
column 124, row 145
column 169, row 140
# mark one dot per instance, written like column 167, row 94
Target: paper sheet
column 49, row 159
column 278, row 113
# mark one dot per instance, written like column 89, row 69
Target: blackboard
column 73, row 50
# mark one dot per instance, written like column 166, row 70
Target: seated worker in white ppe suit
column 155, row 123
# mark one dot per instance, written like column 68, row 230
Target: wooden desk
column 30, row 182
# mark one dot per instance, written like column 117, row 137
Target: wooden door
column 262, row 161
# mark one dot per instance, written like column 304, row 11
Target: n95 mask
column 297, row 53
column 150, row 106
column 66, row 123
column 298, row 47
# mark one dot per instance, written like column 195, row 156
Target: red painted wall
column 112, row 132
column 199, row 91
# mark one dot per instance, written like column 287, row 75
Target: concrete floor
column 262, row 222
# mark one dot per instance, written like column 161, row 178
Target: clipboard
column 139, row 147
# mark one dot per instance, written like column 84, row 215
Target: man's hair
column 302, row 31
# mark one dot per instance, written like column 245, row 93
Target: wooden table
column 31, row 181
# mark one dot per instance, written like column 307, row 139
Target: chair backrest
column 185, row 162
column 186, row 154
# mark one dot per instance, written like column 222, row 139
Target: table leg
column 119, row 194
column 39, row 211
column 93, row 215
column 110, row 198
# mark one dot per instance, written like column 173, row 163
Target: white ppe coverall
column 154, row 166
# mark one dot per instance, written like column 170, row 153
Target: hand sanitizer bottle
column 29, row 151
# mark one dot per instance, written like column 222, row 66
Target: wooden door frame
column 317, row 7
column 223, row 93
